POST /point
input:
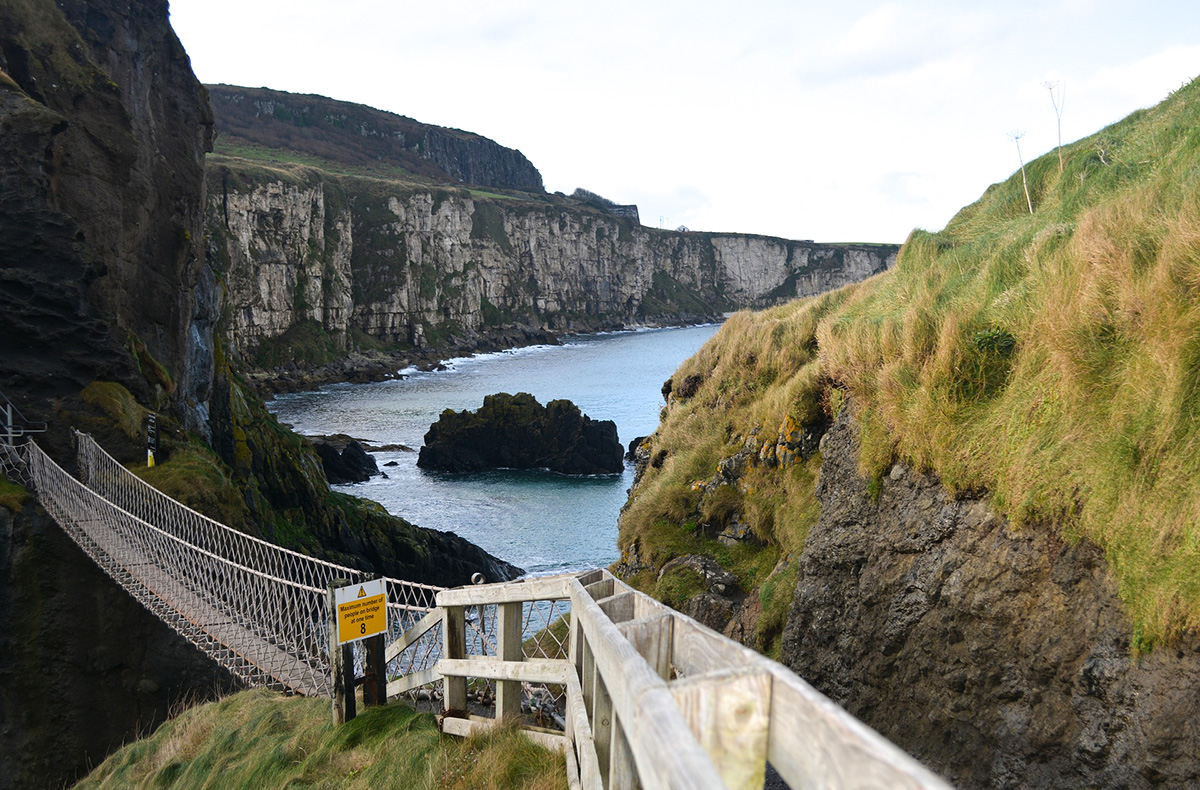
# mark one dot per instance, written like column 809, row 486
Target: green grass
column 195, row 476
column 260, row 739
column 1052, row 360
column 253, row 152
column 305, row 341
column 119, row 405
column 12, row 496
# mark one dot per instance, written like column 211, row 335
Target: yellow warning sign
column 361, row 611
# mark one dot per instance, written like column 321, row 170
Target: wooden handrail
column 657, row 700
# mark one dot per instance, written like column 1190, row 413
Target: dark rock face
column 70, row 692
column 517, row 432
column 359, row 135
column 351, row 464
column 104, row 130
column 1000, row 658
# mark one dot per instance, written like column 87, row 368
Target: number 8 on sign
column 362, row 629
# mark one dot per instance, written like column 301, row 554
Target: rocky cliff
column 107, row 310
column 999, row 656
column 83, row 666
column 105, row 129
column 355, row 135
column 432, row 266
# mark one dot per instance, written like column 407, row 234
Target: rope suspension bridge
column 632, row 692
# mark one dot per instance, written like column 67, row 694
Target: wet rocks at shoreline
column 346, row 460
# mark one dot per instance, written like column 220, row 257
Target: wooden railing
column 653, row 698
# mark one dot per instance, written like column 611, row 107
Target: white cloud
column 848, row 120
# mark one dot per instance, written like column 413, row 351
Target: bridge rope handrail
column 111, row 480
column 258, row 609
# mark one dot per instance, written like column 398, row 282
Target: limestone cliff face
column 1001, row 658
column 425, row 266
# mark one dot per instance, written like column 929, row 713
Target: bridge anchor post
column 341, row 663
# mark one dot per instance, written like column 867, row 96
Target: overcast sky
column 836, row 120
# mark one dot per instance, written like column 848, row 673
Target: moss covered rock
column 517, row 432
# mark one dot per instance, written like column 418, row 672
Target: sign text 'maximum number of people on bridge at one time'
column 361, row 611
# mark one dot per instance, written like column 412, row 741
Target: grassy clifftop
column 259, row 739
column 1049, row 358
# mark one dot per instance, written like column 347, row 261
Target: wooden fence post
column 337, row 679
column 374, row 680
column 375, row 676
column 509, row 648
column 454, row 645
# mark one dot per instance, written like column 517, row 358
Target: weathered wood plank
column 539, row 589
column 600, row 589
column 572, row 767
column 412, row 681
column 581, row 735
column 622, row 773
column 697, row 649
column 414, row 632
column 534, row 670
column 730, row 713
column 836, row 750
column 665, row 751
column 602, row 726
column 651, row 637
column 594, row 575
column 454, row 637
column 509, row 648
column 467, row 727
column 619, row 607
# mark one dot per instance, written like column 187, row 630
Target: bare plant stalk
column 1016, row 138
column 1058, row 97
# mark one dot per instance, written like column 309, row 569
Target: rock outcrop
column 84, row 667
column 356, row 135
column 104, row 277
column 343, row 459
column 366, row 259
column 103, row 132
column 1001, row 658
column 517, row 432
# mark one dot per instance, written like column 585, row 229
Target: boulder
column 517, row 432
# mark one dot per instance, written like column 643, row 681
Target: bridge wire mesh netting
column 258, row 609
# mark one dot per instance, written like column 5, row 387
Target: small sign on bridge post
column 361, row 611
column 357, row 612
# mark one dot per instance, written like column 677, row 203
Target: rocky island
column 517, row 432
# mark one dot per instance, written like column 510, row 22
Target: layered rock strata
column 437, row 267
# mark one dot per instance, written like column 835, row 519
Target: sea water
column 540, row 521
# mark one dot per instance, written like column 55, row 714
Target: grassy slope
column 1050, row 359
column 259, row 739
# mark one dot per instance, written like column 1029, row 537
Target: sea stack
column 517, row 432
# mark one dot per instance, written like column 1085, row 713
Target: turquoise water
column 542, row 522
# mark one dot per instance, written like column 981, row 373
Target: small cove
column 542, row 522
